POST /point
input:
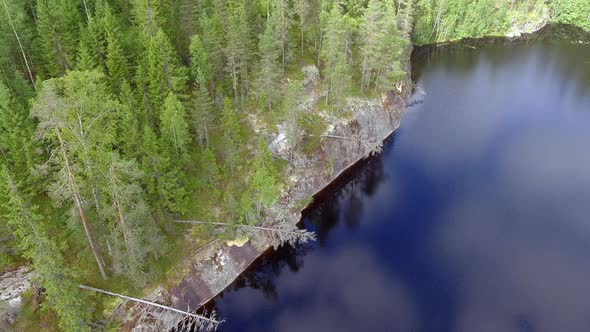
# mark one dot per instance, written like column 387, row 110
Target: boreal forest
column 118, row 117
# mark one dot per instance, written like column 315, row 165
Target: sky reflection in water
column 476, row 218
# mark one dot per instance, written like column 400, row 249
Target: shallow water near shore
column 475, row 218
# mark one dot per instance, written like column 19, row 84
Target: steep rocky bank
column 12, row 286
column 214, row 267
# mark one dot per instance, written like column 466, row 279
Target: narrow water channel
column 475, row 218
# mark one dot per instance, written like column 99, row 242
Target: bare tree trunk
column 224, row 224
column 153, row 304
column 86, row 10
column 22, row 50
column 302, row 37
column 78, row 202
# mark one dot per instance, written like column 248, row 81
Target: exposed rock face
column 530, row 24
column 209, row 271
column 12, row 286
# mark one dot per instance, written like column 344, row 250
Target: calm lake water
column 475, row 218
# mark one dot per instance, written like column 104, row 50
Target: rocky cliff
column 350, row 136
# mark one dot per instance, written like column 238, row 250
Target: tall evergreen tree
column 174, row 129
column 302, row 8
column 203, row 113
column 164, row 72
column 58, row 24
column 213, row 43
column 162, row 177
column 231, row 135
column 282, row 25
column 381, row 48
column 36, row 243
column 199, row 68
column 269, row 68
column 336, row 55
column 73, row 112
column 17, row 142
column 292, row 101
column 265, row 177
column 237, row 50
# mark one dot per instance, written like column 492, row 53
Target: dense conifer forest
column 118, row 116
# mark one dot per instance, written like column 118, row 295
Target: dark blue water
column 475, row 218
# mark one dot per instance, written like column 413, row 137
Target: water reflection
column 474, row 219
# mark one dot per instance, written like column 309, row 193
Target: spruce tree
column 58, row 24
column 203, row 113
column 162, row 176
column 164, row 72
column 36, row 243
column 174, row 129
column 17, row 141
column 269, row 68
column 336, row 55
column 231, row 135
column 209, row 171
column 213, row 43
column 292, row 101
column 265, row 177
column 199, row 68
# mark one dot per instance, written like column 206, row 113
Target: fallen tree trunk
column 277, row 235
column 210, row 322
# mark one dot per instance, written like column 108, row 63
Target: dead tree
column 278, row 234
column 369, row 146
column 167, row 315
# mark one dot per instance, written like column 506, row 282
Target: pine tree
column 128, row 123
column 116, row 64
column 371, row 30
column 88, row 51
column 237, row 50
column 390, row 47
column 133, row 231
column 16, row 34
column 302, row 7
column 148, row 17
column 282, row 25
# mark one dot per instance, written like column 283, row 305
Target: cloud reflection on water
column 476, row 220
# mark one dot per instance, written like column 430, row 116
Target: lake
column 476, row 217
